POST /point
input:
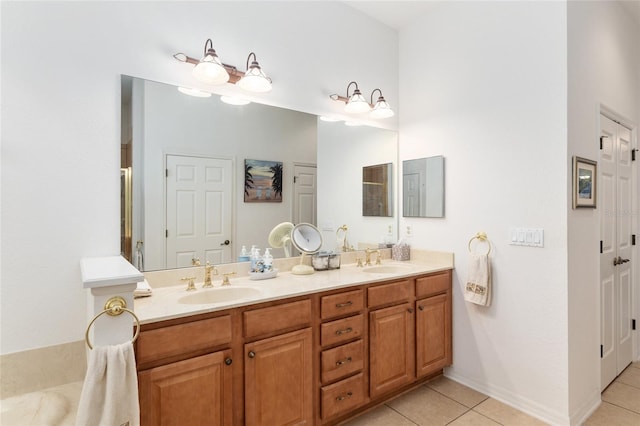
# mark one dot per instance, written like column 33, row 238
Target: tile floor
column 445, row 402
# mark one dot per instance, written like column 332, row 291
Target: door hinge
column 633, row 324
column 295, row 179
column 601, row 247
column 633, row 239
column 601, row 137
column 166, row 172
column 633, row 154
column 601, row 351
column 166, row 233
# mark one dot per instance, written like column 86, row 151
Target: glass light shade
column 357, row 103
column 210, row 70
column 233, row 100
column 194, row 92
column 352, row 123
column 254, row 80
column 381, row 109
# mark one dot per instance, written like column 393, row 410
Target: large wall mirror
column 423, row 187
column 184, row 162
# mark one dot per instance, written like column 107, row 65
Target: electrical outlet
column 409, row 230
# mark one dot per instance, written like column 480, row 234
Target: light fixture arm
column 349, row 85
column 249, row 58
column 374, row 91
column 207, row 43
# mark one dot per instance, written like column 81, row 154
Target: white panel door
column 304, row 194
column 616, row 284
column 198, row 210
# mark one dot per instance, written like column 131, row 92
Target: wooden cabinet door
column 278, row 380
column 433, row 334
column 196, row 391
column 391, row 348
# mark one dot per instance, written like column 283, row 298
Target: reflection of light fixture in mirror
column 194, row 92
column 381, row 109
column 329, row 119
column 352, row 123
column 356, row 103
column 234, row 100
column 254, row 80
column 306, row 238
column 211, row 70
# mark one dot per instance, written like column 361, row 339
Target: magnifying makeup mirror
column 308, row 239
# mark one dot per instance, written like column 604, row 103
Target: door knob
column 226, row 243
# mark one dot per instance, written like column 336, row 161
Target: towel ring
column 482, row 237
column 114, row 307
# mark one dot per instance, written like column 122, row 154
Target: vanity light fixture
column 254, row 80
column 356, row 103
column 211, row 70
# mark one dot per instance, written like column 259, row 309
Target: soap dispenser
column 244, row 255
column 255, row 260
column 267, row 259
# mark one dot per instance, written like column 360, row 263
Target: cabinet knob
column 421, row 308
column 228, row 361
column 252, row 354
column 410, row 310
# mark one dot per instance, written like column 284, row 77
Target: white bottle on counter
column 268, row 260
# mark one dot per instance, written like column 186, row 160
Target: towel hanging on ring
column 478, row 287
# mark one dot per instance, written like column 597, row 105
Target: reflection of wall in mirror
column 170, row 122
column 342, row 153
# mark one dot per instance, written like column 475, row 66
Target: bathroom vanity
column 310, row 350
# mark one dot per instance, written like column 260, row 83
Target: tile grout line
column 409, row 419
column 620, row 406
column 464, row 405
column 487, row 417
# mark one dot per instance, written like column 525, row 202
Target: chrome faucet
column 208, row 270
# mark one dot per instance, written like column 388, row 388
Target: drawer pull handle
column 343, row 397
column 344, row 331
column 344, row 305
column 343, row 361
column 252, row 354
column 228, row 361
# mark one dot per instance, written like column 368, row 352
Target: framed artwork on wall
column 262, row 181
column 585, row 176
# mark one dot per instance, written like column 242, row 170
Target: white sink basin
column 220, row 295
column 387, row 269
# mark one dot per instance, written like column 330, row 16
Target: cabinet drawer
column 341, row 330
column 276, row 318
column 341, row 361
column 433, row 284
column 343, row 396
column 340, row 304
column 383, row 294
column 183, row 338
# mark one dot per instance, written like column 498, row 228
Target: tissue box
column 324, row 261
column 400, row 252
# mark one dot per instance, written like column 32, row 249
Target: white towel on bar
column 110, row 391
column 478, row 288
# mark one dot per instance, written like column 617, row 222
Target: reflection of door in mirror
column 376, row 190
column 423, row 187
column 198, row 210
column 125, row 212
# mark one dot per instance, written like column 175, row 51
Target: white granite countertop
column 165, row 303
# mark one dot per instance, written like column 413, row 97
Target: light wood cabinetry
column 195, row 391
column 317, row 359
column 391, row 348
column 278, row 380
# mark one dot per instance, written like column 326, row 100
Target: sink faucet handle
column 190, row 284
column 195, row 261
column 225, row 278
column 359, row 262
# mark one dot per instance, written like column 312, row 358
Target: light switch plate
column 530, row 237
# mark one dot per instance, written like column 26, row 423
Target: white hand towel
column 143, row 289
column 478, row 288
column 110, row 391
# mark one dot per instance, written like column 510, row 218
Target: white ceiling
column 398, row 14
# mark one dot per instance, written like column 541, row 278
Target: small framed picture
column 585, row 175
